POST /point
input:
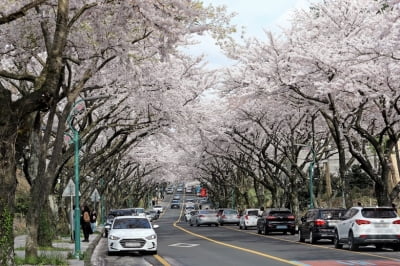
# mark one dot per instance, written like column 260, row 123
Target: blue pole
column 311, row 176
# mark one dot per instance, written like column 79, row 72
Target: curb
column 90, row 249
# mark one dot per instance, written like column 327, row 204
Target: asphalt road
column 181, row 244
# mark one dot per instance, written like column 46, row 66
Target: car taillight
column 201, row 216
column 361, row 222
column 319, row 222
column 270, row 217
column 291, row 217
column 396, row 222
column 223, row 216
column 246, row 217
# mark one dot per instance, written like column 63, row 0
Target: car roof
column 130, row 217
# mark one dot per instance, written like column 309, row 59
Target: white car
column 363, row 226
column 158, row 208
column 132, row 233
column 249, row 218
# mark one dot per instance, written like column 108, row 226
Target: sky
column 256, row 16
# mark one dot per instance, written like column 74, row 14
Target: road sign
column 95, row 195
column 69, row 190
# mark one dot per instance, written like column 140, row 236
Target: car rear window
column 254, row 212
column 280, row 213
column 332, row 214
column 230, row 212
column 378, row 213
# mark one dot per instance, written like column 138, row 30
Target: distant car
column 138, row 212
column 132, row 233
column 188, row 190
column 276, row 220
column 228, row 216
column 204, row 217
column 362, row 226
column 158, row 208
column 249, row 218
column 189, row 212
column 179, row 189
column 170, row 190
column 176, row 197
column 175, row 204
column 319, row 223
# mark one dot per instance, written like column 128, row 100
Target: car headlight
column 112, row 237
column 150, row 237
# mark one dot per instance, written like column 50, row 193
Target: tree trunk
column 8, row 178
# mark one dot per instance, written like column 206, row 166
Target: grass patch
column 54, row 259
column 47, row 248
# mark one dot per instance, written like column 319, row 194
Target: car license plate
column 132, row 245
column 281, row 227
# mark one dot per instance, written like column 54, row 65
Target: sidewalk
column 65, row 243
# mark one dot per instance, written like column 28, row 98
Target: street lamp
column 77, row 222
column 310, row 173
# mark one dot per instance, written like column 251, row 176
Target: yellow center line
column 231, row 246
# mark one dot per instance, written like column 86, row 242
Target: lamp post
column 310, row 174
column 77, row 215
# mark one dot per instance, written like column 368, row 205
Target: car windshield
column 378, row 213
column 130, row 223
column 207, row 211
column 175, row 201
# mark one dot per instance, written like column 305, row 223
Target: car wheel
column 301, row 237
column 266, row 230
column 312, row 238
column 216, row 225
column 396, row 247
column 352, row 246
column 221, row 224
column 293, row 232
column 245, row 227
column 258, row 230
column 336, row 241
column 378, row 246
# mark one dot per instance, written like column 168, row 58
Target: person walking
column 93, row 218
column 85, row 222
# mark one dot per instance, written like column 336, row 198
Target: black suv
column 319, row 224
column 276, row 220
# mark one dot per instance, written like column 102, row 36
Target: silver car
column 204, row 217
column 228, row 216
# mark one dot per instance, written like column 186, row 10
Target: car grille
column 127, row 243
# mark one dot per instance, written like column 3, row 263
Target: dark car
column 175, row 204
column 276, row 220
column 319, row 224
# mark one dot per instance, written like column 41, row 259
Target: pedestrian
column 359, row 204
column 93, row 219
column 394, row 207
column 85, row 223
column 261, row 211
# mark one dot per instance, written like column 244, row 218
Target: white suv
column 249, row 218
column 362, row 226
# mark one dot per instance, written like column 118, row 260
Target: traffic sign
column 69, row 190
column 95, row 195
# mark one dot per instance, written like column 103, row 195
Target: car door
column 344, row 226
column 309, row 223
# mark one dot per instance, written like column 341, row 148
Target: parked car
column 248, row 218
column 132, row 233
column 361, row 226
column 179, row 189
column 276, row 220
column 158, row 208
column 319, row 224
column 138, row 212
column 152, row 215
column 176, row 197
column 204, row 217
column 228, row 216
column 170, row 190
column 189, row 212
column 175, row 204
